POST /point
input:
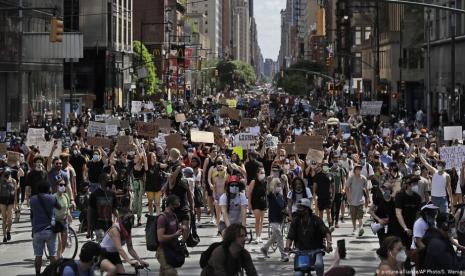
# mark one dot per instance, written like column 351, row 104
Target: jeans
column 319, row 265
column 441, row 202
column 276, row 236
column 42, row 238
column 137, row 191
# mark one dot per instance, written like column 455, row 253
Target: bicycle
column 137, row 269
column 71, row 249
column 304, row 261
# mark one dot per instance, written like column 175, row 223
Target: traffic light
column 216, row 73
column 56, row 32
column 403, row 85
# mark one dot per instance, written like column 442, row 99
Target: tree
column 297, row 80
column 232, row 74
column 151, row 82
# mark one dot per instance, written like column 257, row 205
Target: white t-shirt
column 234, row 208
column 297, row 197
column 419, row 230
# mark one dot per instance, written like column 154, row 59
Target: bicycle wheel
column 70, row 251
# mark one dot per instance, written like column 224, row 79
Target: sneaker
column 264, row 252
column 260, row 240
column 8, row 236
column 4, row 240
column 360, row 232
column 284, row 258
column 255, row 241
column 354, row 232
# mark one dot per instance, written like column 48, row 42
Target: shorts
column 65, row 225
column 42, row 238
column 356, row 212
column 323, row 204
column 113, row 257
column 154, row 196
column 209, row 190
column 183, row 215
column 217, row 197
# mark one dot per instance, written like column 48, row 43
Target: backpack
column 57, row 268
column 151, row 238
column 5, row 190
column 205, row 256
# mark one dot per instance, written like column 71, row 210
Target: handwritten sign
column 100, row 142
column 180, row 118
column 111, row 130
column 35, row 135
column 147, row 129
column 288, row 147
column 202, row 137
column 136, row 106
column 316, row 155
column 125, row 143
column 95, row 128
column 149, row 106
column 174, row 141
column 304, row 143
column 452, row 133
column 453, row 156
column 271, row 142
column 101, row 117
column 371, row 108
column 246, row 140
column 239, row 151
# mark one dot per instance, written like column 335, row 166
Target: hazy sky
column 268, row 18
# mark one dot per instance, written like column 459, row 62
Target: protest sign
column 136, row 106
column 288, row 147
column 231, row 113
column 99, row 142
column 3, row 148
column 147, row 129
column 180, row 118
column 113, row 121
column 453, row 133
column 169, row 109
column 35, row 135
column 453, row 156
column 111, row 130
column 239, row 151
column 125, row 143
column 202, row 137
column 352, row 110
column 12, row 157
column 160, row 140
column 303, row 143
column 95, row 128
column 419, row 142
column 231, row 103
column 149, row 106
column 371, row 108
column 246, row 140
column 248, row 122
column 219, row 138
column 124, row 124
column 174, row 141
column 163, row 123
column 320, row 131
column 101, row 117
column 271, row 142
column 316, row 155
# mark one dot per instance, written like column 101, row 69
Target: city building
column 241, row 30
column 213, row 10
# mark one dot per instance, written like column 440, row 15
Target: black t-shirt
column 309, row 235
column 153, row 181
column 103, row 203
column 33, row 178
column 95, row 169
column 323, row 186
column 123, row 170
column 77, row 161
column 138, row 174
column 25, row 168
column 410, row 205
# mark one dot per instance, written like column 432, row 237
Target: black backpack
column 57, row 268
column 151, row 237
column 205, row 256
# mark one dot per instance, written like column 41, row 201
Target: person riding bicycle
column 114, row 240
column 307, row 232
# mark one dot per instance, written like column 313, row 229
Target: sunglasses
column 58, row 164
column 61, row 185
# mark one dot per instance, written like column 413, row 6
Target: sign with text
column 202, row 137
column 99, row 142
column 304, row 143
column 371, row 108
column 163, row 123
column 95, row 128
column 125, row 143
column 248, row 122
column 452, row 133
column 35, row 135
column 12, row 157
column 101, row 117
column 239, row 151
column 246, row 140
column 174, row 141
column 147, row 129
column 352, row 110
column 180, row 118
column 136, row 106
column 316, row 155
column 453, row 156
column 111, row 130
column 271, row 142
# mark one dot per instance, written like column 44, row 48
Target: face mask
column 292, row 162
column 325, row 168
column 75, row 152
column 387, row 195
column 286, row 166
column 95, row 157
column 278, row 190
column 363, row 161
column 261, row 177
column 401, row 257
column 62, row 189
column 38, row 168
column 417, row 173
column 344, row 155
column 282, row 158
column 440, row 168
column 430, row 220
column 385, row 152
column 234, row 189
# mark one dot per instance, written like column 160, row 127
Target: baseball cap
column 304, row 202
column 429, row 205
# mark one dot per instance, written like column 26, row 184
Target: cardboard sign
column 113, row 121
column 147, row 129
column 453, row 133
column 12, row 157
column 111, row 130
column 352, row 110
column 174, row 141
column 95, row 128
column 316, row 155
column 125, row 143
column 246, row 140
column 149, row 106
column 202, row 137
column 219, row 139
column 371, row 108
column 304, row 143
column 124, row 124
column 320, row 131
column 34, row 136
column 453, row 156
column 288, row 147
column 231, row 103
column 160, row 140
column 239, row 151
column 99, row 142
column 248, row 122
column 231, row 113
column 420, row 142
column 271, row 142
column 163, row 123
column 136, row 106
column 180, row 118
column 3, row 149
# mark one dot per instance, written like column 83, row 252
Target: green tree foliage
column 151, row 82
column 235, row 74
column 296, row 80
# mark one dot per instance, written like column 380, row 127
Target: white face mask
column 417, row 173
column 62, row 189
column 292, row 162
column 286, row 166
column 344, row 155
column 234, row 190
column 385, row 152
column 261, row 176
column 278, row 190
column 440, row 168
column 401, row 257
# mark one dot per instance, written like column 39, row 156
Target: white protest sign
column 35, row 135
column 371, row 108
column 113, row 121
column 136, row 106
column 246, row 140
column 453, row 156
column 254, row 130
column 271, row 142
column 101, row 117
column 160, row 140
column 95, row 128
column 386, row 132
column 149, row 106
column 111, row 130
column 452, row 133
column 202, row 137
column 46, row 147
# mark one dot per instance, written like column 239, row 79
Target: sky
column 268, row 18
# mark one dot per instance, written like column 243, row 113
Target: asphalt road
column 17, row 258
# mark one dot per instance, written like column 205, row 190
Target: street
column 17, row 255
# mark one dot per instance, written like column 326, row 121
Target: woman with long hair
column 8, row 191
column 392, row 255
column 256, row 193
column 154, row 182
column 233, row 204
column 298, row 191
column 138, row 173
column 217, row 178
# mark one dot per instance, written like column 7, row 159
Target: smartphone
column 341, row 247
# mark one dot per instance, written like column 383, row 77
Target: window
column 358, row 35
column 367, row 33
